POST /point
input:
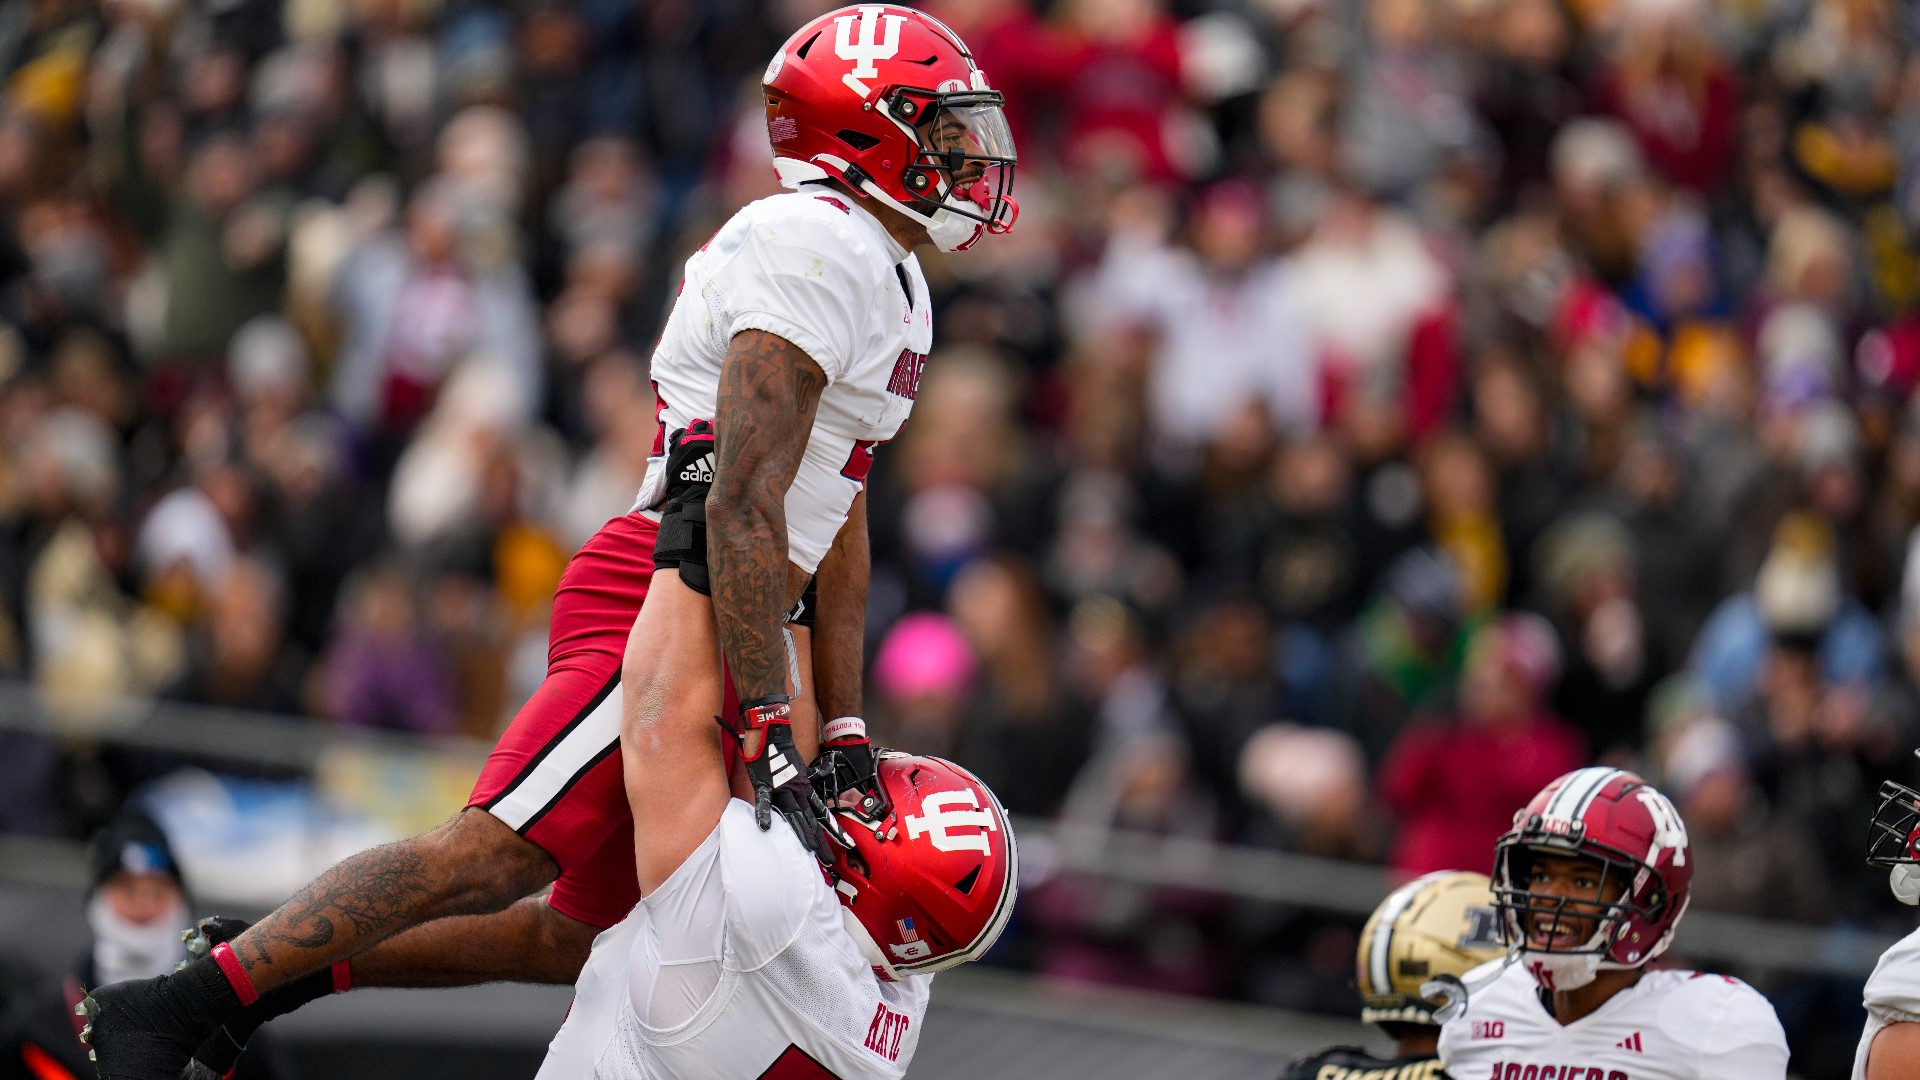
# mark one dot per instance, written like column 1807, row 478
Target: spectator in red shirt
column 1671, row 87
column 1119, row 82
column 1454, row 784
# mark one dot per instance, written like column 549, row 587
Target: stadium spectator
column 1454, row 784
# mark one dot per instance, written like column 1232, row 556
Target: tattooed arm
column 840, row 617
column 769, row 389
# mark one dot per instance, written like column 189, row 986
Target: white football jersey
column 1893, row 995
column 1671, row 1025
column 818, row 270
column 738, row 967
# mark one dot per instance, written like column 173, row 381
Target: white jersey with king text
column 738, row 967
column 821, row 272
column 1671, row 1025
column 1893, row 995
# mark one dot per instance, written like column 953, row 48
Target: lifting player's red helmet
column 931, row 875
column 888, row 100
column 1616, row 818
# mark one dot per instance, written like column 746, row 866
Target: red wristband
column 236, row 974
column 342, row 976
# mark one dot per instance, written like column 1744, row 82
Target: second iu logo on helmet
column 939, row 818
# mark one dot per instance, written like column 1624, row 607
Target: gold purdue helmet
column 1440, row 924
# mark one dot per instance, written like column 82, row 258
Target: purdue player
column 1590, row 884
column 1440, row 924
column 795, row 349
column 1890, row 1043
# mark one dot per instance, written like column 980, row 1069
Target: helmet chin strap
column 1570, row 971
column 1562, row 971
column 948, row 231
column 868, row 947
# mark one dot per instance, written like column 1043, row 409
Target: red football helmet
column 930, row 878
column 887, row 100
column 1637, row 837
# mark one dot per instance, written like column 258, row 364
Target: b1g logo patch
column 906, row 374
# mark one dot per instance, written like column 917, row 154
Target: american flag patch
column 907, row 932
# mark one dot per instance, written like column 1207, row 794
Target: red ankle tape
column 236, row 974
column 342, row 977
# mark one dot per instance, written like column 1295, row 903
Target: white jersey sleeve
column 808, row 278
column 1739, row 1034
column 1892, row 995
column 759, row 872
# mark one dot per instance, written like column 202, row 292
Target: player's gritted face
column 1584, row 886
column 950, row 133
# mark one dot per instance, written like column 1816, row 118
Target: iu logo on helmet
column 877, row 39
column 938, row 820
column 1668, row 830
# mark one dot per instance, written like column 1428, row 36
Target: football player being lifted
column 1590, row 884
column 1890, row 1044
column 794, row 349
column 1440, row 924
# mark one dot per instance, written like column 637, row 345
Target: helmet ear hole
column 857, row 861
column 965, row 884
column 859, row 140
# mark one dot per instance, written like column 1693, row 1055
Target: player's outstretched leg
column 148, row 1030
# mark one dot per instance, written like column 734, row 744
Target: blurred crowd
column 1382, row 407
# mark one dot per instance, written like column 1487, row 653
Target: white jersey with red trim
column 738, row 967
column 1671, row 1025
column 815, row 268
column 1892, row 997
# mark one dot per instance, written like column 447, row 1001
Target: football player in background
column 1890, row 1043
column 1439, row 924
column 795, row 348
column 1590, row 884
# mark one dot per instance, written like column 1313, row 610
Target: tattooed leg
column 148, row 1030
column 472, row 865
